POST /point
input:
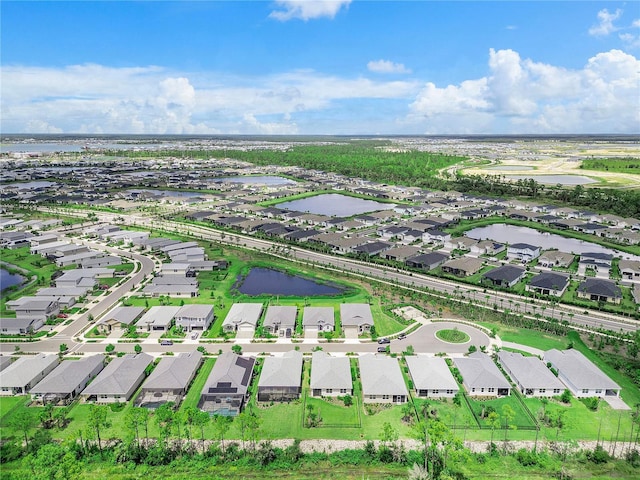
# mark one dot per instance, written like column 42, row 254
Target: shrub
column 526, row 457
column 566, row 396
column 598, row 455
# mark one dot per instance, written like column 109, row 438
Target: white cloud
column 307, row 9
column 522, row 96
column 387, row 66
column 605, row 25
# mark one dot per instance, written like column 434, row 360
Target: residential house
column 555, row 258
column 487, row 247
column 118, row 381
column 226, row 389
column 194, row 317
column 435, row 236
column 523, row 252
column 481, row 377
column 280, row 320
column 463, row 266
column 20, row 326
column 36, row 308
column 25, row 373
column 530, row 374
column 158, row 318
column 401, row 253
column 119, row 317
column 505, row 276
column 281, row 378
column 243, row 317
column 427, row 261
column 629, row 269
column 356, row 317
column 5, row 362
column 382, row 380
column 372, row 248
column 321, row 319
column 580, row 375
column 549, row 283
column 431, row 377
column 67, row 380
column 600, row 290
column 169, row 380
column 330, row 376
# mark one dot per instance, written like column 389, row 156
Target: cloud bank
column 307, row 9
column 387, row 66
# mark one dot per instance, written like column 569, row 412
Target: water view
column 8, row 279
column 335, row 205
column 29, row 185
column 265, row 281
column 510, row 168
column 170, row 193
column 513, row 234
column 555, row 179
column 257, row 180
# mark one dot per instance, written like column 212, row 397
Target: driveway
column 424, row 339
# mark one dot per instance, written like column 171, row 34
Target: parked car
column 383, row 340
column 382, row 349
column 194, row 335
column 166, row 342
column 402, row 336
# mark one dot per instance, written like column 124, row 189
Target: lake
column 513, row 234
column 29, row 185
column 172, row 193
column 9, row 279
column 265, row 281
column 335, row 205
column 510, row 168
column 555, row 179
column 256, row 180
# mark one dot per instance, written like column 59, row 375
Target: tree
column 137, row 348
column 23, row 421
column 52, row 462
column 493, row 420
column 508, row 414
column 237, row 349
column 109, row 348
column 221, row 425
column 133, row 420
column 165, row 420
column 98, row 421
column 63, row 349
column 253, row 428
column 201, row 419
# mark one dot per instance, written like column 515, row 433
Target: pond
column 29, row 185
column 170, row 193
column 555, row 179
column 513, row 234
column 256, row 180
column 335, row 205
column 40, row 147
column 8, row 279
column 265, row 281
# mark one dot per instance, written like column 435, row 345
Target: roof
column 550, row 280
column 428, row 258
column 530, row 372
column 67, row 376
column 479, row 371
column 330, row 372
column 522, row 246
column 600, row 286
column 430, row 373
column 278, row 315
column 25, row 369
column 355, row 314
column 173, row 372
column 231, row 374
column 194, row 311
column 313, row 316
column 381, row 375
column 574, row 366
column 159, row 315
column 284, row 371
column 508, row 273
column 243, row 313
column 126, row 315
column 120, row 375
column 468, row 264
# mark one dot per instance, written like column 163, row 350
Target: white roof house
column 68, row 379
column 356, row 315
column 281, row 378
column 157, row 318
column 322, row 318
column 330, row 376
column 382, row 380
column 23, row 374
column 281, row 320
column 530, row 374
column 481, row 377
column 431, row 376
column 195, row 317
column 119, row 379
column 170, row 380
column 242, row 316
column 580, row 375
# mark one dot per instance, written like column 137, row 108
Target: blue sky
column 320, row 67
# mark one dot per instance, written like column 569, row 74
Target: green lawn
column 334, row 413
column 521, row 419
column 9, row 403
column 452, row 336
column 523, row 336
column 193, row 394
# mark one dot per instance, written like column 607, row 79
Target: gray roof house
column 20, row 326
column 225, row 391
column 427, row 261
column 581, row 376
column 549, row 283
column 23, row 374
column 431, row 377
column 157, row 318
column 170, row 380
column 523, row 251
column 382, row 380
column 280, row 320
column 4, row 362
column 68, row 379
column 195, row 317
column 504, row 276
column 481, row 377
column 43, row 309
column 462, row 266
column 600, row 290
column 530, row 374
column 330, row 376
column 356, row 316
column 320, row 318
column 281, row 378
column 555, row 258
column 119, row 379
column 242, row 317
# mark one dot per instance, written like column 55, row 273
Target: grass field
column 452, row 336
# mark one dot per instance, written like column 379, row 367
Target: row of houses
column 193, row 317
